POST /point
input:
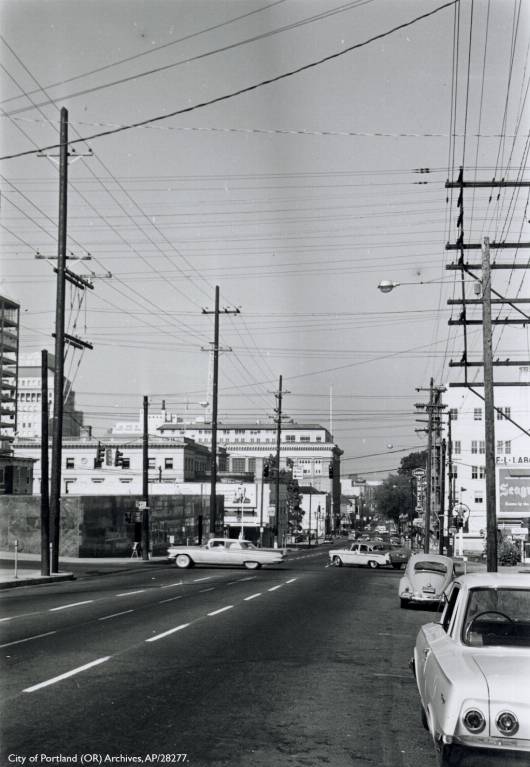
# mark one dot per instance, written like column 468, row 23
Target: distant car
column 399, row 555
column 472, row 671
column 225, row 551
column 425, row 579
column 359, row 554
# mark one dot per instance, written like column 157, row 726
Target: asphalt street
column 300, row 664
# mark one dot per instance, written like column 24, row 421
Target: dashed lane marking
column 28, row 639
column 203, row 591
column 73, row 604
column 221, row 610
column 130, row 593
column 276, row 587
column 167, row 633
column 115, row 615
column 74, row 671
column 206, row 578
column 171, row 599
column 171, row 585
column 252, row 596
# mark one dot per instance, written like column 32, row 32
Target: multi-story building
column 466, row 412
column 29, row 399
column 9, row 343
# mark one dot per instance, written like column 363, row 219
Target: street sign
column 418, row 472
column 141, row 505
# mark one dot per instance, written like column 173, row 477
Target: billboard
column 514, row 492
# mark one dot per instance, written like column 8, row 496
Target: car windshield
column 431, row 567
column 498, row 617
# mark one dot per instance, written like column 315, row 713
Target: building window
column 168, row 463
column 238, row 464
column 318, row 439
column 457, row 447
column 152, row 463
column 478, row 472
column 507, row 447
column 474, row 446
column 503, row 413
column 70, row 463
column 125, row 463
column 252, row 464
column 289, row 437
column 477, row 414
column 453, row 414
column 479, row 498
column 304, row 438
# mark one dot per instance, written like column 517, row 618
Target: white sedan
column 360, row 554
column 473, row 670
column 225, row 551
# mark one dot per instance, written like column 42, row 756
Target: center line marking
column 170, row 585
column 66, row 675
column 167, row 633
column 206, row 578
column 216, row 612
column 74, row 604
column 203, row 591
column 130, row 593
column 292, row 580
column 28, row 639
column 172, row 599
column 276, row 587
column 253, row 596
column 115, row 615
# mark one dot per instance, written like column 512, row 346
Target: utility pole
column 145, row 481
column 215, row 387
column 278, row 411
column 44, row 477
column 468, row 268
column 441, row 514
column 433, row 408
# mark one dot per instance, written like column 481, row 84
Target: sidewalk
column 29, row 572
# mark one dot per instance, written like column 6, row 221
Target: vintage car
column 359, row 554
column 399, row 555
column 472, row 671
column 425, row 579
column 225, row 551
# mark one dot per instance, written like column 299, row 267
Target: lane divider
column 115, row 615
column 221, row 610
column 74, row 671
column 130, row 593
column 65, row 607
column 167, row 633
column 28, row 639
column 253, row 596
column 171, row 599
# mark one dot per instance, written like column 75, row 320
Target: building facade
column 9, row 350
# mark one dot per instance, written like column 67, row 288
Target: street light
column 386, row 286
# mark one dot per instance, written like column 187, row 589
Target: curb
column 43, row 579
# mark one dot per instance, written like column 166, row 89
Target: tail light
column 474, row 720
column 507, row 723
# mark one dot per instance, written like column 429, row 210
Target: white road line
column 130, row 593
column 276, row 587
column 291, row 580
column 28, row 639
column 170, row 585
column 216, row 612
column 240, row 580
column 67, row 674
column 253, row 596
column 167, row 633
column 203, row 591
column 206, row 578
column 74, row 604
column 115, row 615
column 172, row 599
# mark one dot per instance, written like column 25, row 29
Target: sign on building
column 514, row 492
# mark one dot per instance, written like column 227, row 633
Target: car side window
column 450, row 608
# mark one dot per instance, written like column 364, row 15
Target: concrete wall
column 105, row 526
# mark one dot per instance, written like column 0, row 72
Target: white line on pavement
column 253, row 596
column 74, row 604
column 216, row 612
column 130, row 593
column 203, row 591
column 27, row 639
column 206, row 578
column 291, row 580
column 66, row 675
column 276, row 587
column 172, row 599
column 170, row 585
column 115, row 615
column 167, row 633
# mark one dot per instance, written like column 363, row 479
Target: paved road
column 299, row 665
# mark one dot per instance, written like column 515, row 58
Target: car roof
column 495, row 580
column 431, row 557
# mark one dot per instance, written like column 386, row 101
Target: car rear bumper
column 518, row 745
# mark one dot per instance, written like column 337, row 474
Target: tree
column 413, row 461
column 395, row 496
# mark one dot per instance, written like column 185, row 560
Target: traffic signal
column 100, row 455
column 266, row 469
column 330, row 471
column 118, row 458
column 458, row 522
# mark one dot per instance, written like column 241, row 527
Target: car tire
column 404, row 603
column 373, row 564
column 252, row 565
column 337, row 561
column 424, row 721
column 448, row 755
column 183, row 561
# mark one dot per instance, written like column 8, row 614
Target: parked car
column 425, row 579
column 472, row 670
column 225, row 551
column 399, row 555
column 359, row 554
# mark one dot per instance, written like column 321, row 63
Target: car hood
column 504, row 674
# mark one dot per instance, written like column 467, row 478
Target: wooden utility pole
column 58, row 382
column 278, row 411
column 441, row 513
column 44, row 476
column 145, row 481
column 215, row 388
column 489, row 420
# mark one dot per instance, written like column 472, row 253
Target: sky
column 298, row 157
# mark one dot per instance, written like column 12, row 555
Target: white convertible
column 473, row 670
column 225, row 551
column 359, row 554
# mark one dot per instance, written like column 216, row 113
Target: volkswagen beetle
column 473, row 669
column 425, row 579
